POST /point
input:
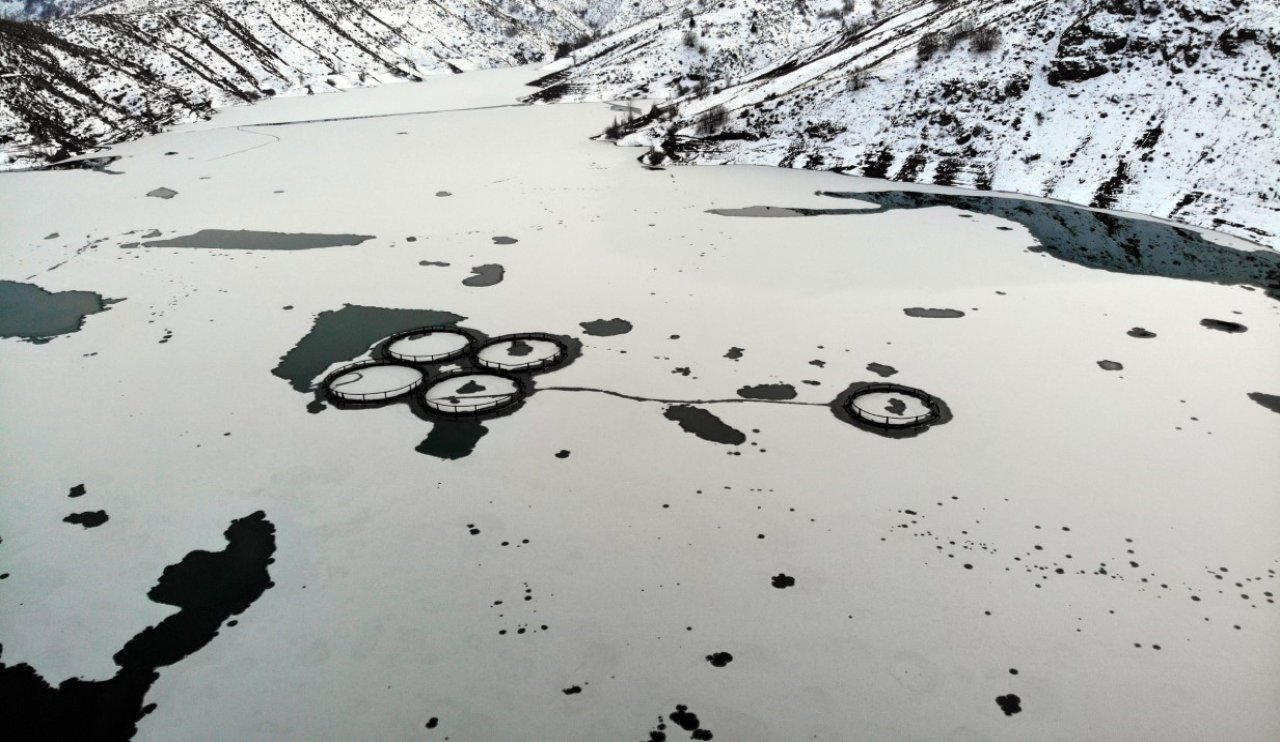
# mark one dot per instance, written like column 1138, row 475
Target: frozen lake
column 677, row 522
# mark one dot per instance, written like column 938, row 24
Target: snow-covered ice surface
column 1109, row 535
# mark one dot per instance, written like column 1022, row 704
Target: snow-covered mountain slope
column 1165, row 107
column 133, row 67
column 26, row 10
column 683, row 46
column 608, row 16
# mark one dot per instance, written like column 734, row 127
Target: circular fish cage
column 372, row 382
column 522, row 352
column 472, row 393
column 894, row 406
column 428, row 345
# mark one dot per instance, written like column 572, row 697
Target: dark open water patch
column 685, row 719
column 783, row 581
column 759, row 211
column 881, row 370
column 36, row 316
column 88, row 519
column 704, row 424
column 76, row 491
column 1222, row 325
column 245, row 239
column 207, row 587
column 1111, row 365
column 501, row 240
column 1270, row 401
column 606, row 327
column 344, row 334
column 165, row 193
column 489, row 274
column 719, row 659
column 471, row 387
column 1140, row 332
column 1092, row 239
column 768, row 391
column 1009, row 704
column 933, row 313
column 452, row 439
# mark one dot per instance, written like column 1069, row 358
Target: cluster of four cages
column 447, row 371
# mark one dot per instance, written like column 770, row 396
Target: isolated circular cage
column 868, row 404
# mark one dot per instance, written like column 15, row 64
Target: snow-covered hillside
column 24, row 10
column 1165, row 107
column 682, row 47
column 608, row 16
column 133, row 67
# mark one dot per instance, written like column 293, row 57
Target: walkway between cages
column 844, row 403
column 637, row 398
